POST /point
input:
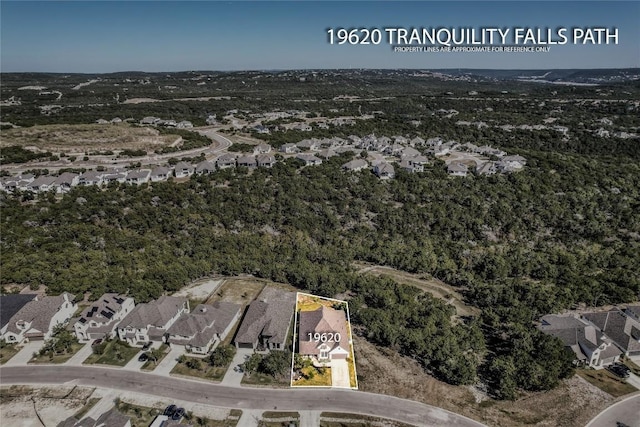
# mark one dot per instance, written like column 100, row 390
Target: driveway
column 340, row 373
column 81, row 355
column 634, row 380
column 25, row 354
column 309, row 418
column 233, row 377
column 170, row 360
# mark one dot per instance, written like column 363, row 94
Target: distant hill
column 592, row 76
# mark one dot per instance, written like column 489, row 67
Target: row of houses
column 597, row 339
column 266, row 325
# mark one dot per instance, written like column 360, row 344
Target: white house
column 37, row 319
column 150, row 321
column 100, row 319
column 183, row 169
column 384, row 170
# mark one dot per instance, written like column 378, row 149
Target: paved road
column 626, row 411
column 195, row 391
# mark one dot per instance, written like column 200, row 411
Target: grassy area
column 279, row 419
column 313, row 377
column 7, row 351
column 140, row 416
column 150, row 365
column 338, row 419
column 206, row 371
column 57, row 358
column 631, row 365
column 115, row 353
column 87, row 406
column 353, row 380
column 258, row 379
column 606, row 381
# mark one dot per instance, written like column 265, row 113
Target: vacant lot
column 606, row 381
column 434, row 286
column 243, row 290
column 90, row 137
column 573, row 403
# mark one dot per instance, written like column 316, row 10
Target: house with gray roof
column 99, row 320
column 205, row 327
column 289, row 148
column 267, row 321
column 206, row 167
column 262, row 148
column 138, row 177
column 309, row 159
column 114, row 176
column 10, row 304
column 65, row 181
column 90, row 178
column 457, row 169
column 327, row 322
column 150, row 321
column 590, row 346
column 384, row 170
column 225, row 161
column 42, row 184
column 266, row 160
column 37, row 319
column 183, row 170
column 247, row 161
column 622, row 328
column 111, row 418
column 161, row 173
column 355, row 165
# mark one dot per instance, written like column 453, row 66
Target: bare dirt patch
column 200, row 289
column 80, row 138
column 434, row 286
column 573, row 403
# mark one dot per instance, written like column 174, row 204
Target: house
column 514, row 162
column 324, row 320
column 183, row 170
column 111, row 418
column 414, row 164
column 161, row 173
column 457, row 169
column 309, row 159
column 303, row 127
column 384, row 170
column 622, row 328
column 150, row 121
column 42, row 184
column 589, row 345
column 114, row 176
column 487, row 168
column 289, row 148
column 102, row 122
column 185, row 124
column 490, row 151
column 328, row 153
column 207, row 325
column 10, row 304
column 309, row 145
column 205, row 167
column 116, row 120
column 262, row 148
column 267, row 321
column 247, row 161
column 100, row 319
column 394, row 150
column 355, row 165
column 150, row 321
column 226, row 161
column 138, row 177
column 409, row 152
column 37, row 319
column 261, row 129
column 266, row 160
column 66, row 181
column 90, row 178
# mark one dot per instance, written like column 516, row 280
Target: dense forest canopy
column 564, row 231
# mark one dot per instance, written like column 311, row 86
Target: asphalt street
column 359, row 402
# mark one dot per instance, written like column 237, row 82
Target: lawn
column 115, row 353
column 318, row 379
column 606, row 381
column 150, row 365
column 140, row 416
column 258, row 379
column 278, row 419
column 631, row 365
column 7, row 351
column 57, row 358
column 206, row 372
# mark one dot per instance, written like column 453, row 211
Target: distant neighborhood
column 384, row 156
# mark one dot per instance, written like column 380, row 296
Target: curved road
column 626, row 412
column 349, row 401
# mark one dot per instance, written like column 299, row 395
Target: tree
column 222, row 355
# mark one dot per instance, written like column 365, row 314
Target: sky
column 108, row 36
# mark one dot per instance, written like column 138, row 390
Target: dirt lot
column 435, row 287
column 243, row 290
column 21, row 406
column 573, row 403
column 80, row 138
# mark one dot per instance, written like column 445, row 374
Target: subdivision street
column 407, row 411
